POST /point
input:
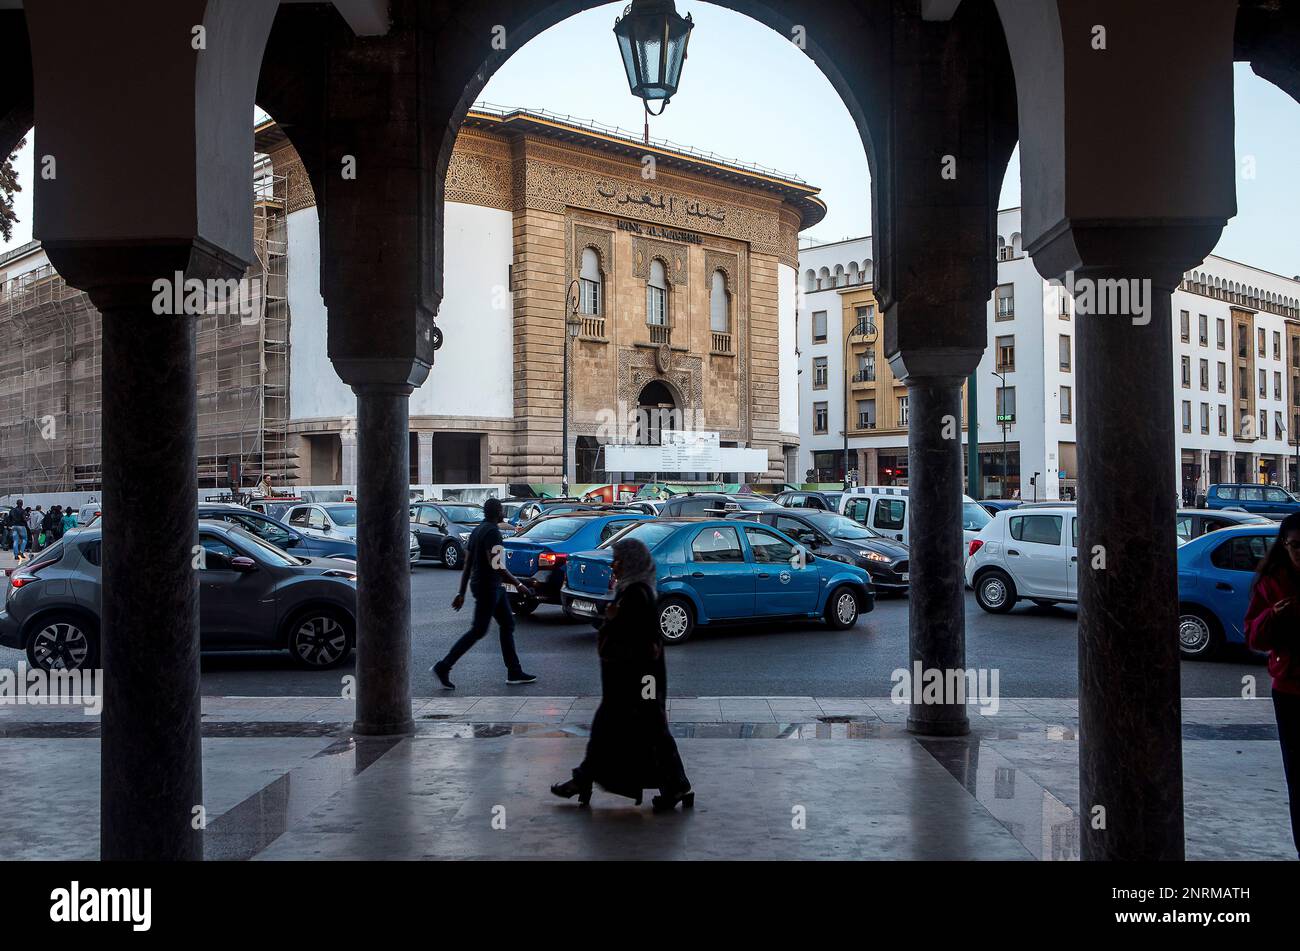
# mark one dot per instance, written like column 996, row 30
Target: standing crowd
column 25, row 530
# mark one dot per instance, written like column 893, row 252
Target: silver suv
column 252, row 596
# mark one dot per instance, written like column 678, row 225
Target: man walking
column 485, row 572
column 34, row 519
column 18, row 528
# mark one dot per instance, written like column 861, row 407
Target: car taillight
column 550, row 559
column 974, row 547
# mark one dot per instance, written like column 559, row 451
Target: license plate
column 904, row 576
column 511, row 589
column 582, row 607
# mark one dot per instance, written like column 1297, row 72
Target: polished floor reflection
column 779, row 777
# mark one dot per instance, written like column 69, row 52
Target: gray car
column 252, row 596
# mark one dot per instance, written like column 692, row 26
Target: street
column 1033, row 649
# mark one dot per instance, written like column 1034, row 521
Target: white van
column 885, row 508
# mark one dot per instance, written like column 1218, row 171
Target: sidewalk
column 284, row 778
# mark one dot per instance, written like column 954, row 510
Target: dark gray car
column 252, row 596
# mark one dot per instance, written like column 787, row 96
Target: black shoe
column 668, row 803
column 441, row 672
column 571, row 788
column 521, row 678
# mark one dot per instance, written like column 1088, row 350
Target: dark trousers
column 489, row 604
column 1287, row 708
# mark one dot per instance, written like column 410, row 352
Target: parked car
column 802, row 499
column 443, row 529
column 994, row 506
column 644, row 506
column 840, row 538
column 887, row 508
column 717, row 571
column 332, row 521
column 1215, row 573
column 279, row 534
column 88, row 513
column 1261, row 499
column 274, row 506
column 540, row 550
column 713, row 504
column 535, row 508
column 252, row 596
column 1193, row 523
column 1029, row 552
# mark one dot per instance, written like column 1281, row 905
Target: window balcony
column 865, row 376
column 866, row 422
column 721, row 342
column 593, row 327
column 659, row 333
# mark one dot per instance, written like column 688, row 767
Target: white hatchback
column 1026, row 553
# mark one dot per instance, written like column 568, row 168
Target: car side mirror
column 292, row 542
column 243, row 564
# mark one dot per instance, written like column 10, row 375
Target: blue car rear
column 1215, row 573
column 541, row 551
column 718, row 571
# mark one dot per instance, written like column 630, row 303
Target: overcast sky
column 749, row 94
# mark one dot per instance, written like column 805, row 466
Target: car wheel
column 842, row 609
column 1199, row 635
column 995, row 592
column 450, row 555
column 64, row 642
column 524, row 606
column 676, row 619
column 320, row 638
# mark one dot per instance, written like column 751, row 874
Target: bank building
column 683, row 268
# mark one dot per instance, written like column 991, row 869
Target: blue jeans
column 20, row 540
column 488, row 604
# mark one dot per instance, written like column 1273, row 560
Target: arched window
column 868, row 271
column 656, row 295
column 719, row 304
column 854, row 275
column 823, row 279
column 810, row 280
column 590, row 283
column 1015, row 245
column 839, row 275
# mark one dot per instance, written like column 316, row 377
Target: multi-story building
column 684, row 267
column 1236, row 376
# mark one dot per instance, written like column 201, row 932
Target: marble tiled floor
column 775, row 777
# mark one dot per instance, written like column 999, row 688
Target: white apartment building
column 1236, row 376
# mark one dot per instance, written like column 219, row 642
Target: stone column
column 348, row 459
column 1130, row 734
column 425, row 461
column 151, row 776
column 383, row 547
column 936, row 625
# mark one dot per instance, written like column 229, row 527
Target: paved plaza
column 775, row 778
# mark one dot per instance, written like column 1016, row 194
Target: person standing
column 18, row 528
column 69, row 519
column 485, row 574
column 631, row 748
column 1273, row 625
column 34, row 518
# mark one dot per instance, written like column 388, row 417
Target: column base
column 396, row 728
column 939, row 727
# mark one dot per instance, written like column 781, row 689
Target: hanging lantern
column 652, row 38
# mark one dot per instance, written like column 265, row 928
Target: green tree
column 8, row 186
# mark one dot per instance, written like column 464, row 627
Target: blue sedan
column 540, row 549
column 719, row 571
column 1215, row 573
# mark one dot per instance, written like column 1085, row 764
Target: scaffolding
column 50, row 371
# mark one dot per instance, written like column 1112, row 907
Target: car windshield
column 342, row 514
column 463, row 513
column 551, row 529
column 752, row 503
column 264, row 550
column 974, row 517
column 648, row 533
column 840, row 526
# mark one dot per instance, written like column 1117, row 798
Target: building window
column 1277, row 345
column 1261, row 341
column 820, row 417
column 656, row 295
column 1205, row 374
column 819, row 326
column 1005, row 299
column 865, row 314
column 1187, row 416
column 819, row 373
column 1065, row 305
column 866, row 414
column 1185, row 325
column 1205, row 330
column 1243, row 341
column 1063, row 345
column 902, row 411
column 1186, row 370
column 1263, row 383
column 1223, row 377
column 1006, row 404
column 1277, row 384
column 1066, row 405
column 1223, row 420
column 866, row 367
column 1006, row 354
column 1221, row 334
column 1277, row 426
column 1243, row 383
column 1205, row 419
column 590, row 284
column 719, row 305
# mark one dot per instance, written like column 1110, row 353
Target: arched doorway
column 656, row 411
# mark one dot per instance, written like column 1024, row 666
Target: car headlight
column 340, row 573
column 874, row 556
column 464, row 536
column 415, row 542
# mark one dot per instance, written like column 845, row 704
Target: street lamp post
column 998, row 408
column 572, row 325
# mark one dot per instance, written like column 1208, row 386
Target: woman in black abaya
column 631, row 748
